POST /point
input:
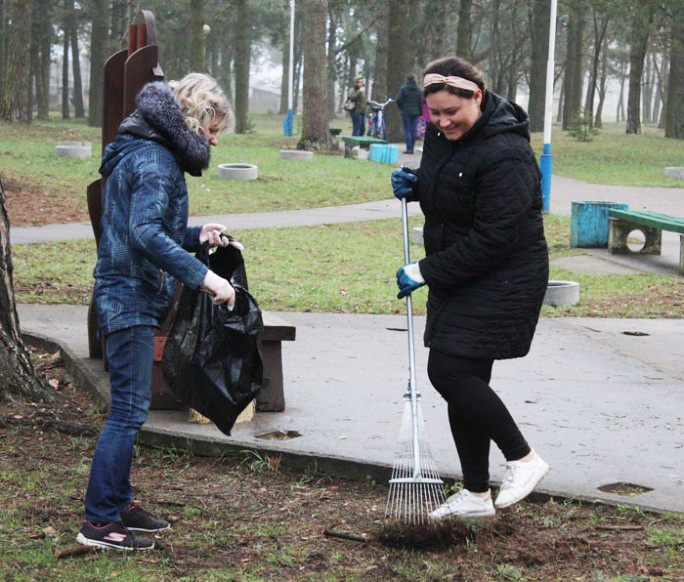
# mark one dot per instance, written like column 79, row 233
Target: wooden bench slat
column 652, row 219
column 277, row 329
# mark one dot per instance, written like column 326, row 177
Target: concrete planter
column 298, row 155
column 238, row 171
column 675, row 173
column 74, row 149
column 562, row 293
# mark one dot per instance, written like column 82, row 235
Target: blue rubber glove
column 403, row 182
column 409, row 279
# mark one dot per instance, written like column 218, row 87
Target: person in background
column 410, row 102
column 358, row 95
column 486, row 269
column 142, row 252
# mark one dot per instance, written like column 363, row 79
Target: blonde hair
column 202, row 100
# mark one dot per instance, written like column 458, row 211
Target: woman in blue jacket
column 142, row 252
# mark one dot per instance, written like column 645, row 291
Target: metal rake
column 415, row 486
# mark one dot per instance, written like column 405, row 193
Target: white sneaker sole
column 81, row 539
column 478, row 514
column 525, row 492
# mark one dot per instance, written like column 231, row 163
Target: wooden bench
column 363, row 141
column 272, row 395
column 651, row 224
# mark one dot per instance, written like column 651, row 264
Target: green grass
column 28, row 159
column 347, row 268
column 616, row 158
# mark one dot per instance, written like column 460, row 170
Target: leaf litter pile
column 249, row 517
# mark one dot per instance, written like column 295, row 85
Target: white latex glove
column 221, row 289
column 211, row 233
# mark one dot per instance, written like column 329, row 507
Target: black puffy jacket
column 486, row 262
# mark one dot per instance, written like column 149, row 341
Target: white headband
column 457, row 82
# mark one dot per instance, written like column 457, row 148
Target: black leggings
column 476, row 415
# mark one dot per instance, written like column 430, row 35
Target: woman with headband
column 486, row 269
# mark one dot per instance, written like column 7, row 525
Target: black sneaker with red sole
column 112, row 535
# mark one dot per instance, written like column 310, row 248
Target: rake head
column 415, row 487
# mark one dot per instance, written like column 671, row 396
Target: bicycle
column 376, row 119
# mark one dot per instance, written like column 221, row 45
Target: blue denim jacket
column 145, row 238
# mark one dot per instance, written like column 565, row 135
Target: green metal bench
column 363, row 141
column 651, row 224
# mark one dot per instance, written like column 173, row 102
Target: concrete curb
column 207, row 446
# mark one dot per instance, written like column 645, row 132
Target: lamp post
column 289, row 119
column 546, row 159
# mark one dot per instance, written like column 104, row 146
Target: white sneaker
column 465, row 504
column 520, row 479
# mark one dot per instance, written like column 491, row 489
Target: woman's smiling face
column 452, row 114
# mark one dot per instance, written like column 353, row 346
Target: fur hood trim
column 157, row 106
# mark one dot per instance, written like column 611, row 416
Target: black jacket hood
column 158, row 117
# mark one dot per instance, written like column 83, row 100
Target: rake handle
column 413, row 390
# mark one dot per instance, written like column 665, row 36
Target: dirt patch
column 27, row 206
column 249, row 517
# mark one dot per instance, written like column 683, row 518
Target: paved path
column 602, row 406
column 601, row 399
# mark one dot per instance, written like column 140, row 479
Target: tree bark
column 17, row 376
column 674, row 106
column 197, row 48
column 331, row 64
column 598, row 120
column 600, row 27
column 242, row 62
column 3, row 36
column 433, row 43
column 574, row 67
column 464, row 46
column 539, row 34
column 79, row 108
column 42, row 73
column 643, row 12
column 399, row 62
column 98, row 54
column 285, row 61
column 66, row 30
column 381, row 50
column 14, row 97
column 315, row 134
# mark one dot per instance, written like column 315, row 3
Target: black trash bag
column 212, row 359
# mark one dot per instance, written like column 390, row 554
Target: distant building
column 263, row 100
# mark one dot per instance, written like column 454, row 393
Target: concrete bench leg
column 681, row 255
column 271, row 396
column 619, row 231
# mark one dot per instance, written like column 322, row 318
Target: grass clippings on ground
column 249, row 518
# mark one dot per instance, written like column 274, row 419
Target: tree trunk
column 65, row 59
column 197, row 49
column 600, row 27
column 539, row 34
column 285, row 61
column 3, row 37
column 381, row 49
column 598, row 121
column 43, row 65
column 331, row 64
column 674, row 104
column 17, row 376
column 433, row 43
column 98, row 54
column 572, row 104
column 315, row 134
column 118, row 26
column 464, row 46
column 642, row 20
column 242, row 62
column 14, row 93
column 79, row 109
column 399, row 62
column 647, row 89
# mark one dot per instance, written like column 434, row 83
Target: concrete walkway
column 600, row 399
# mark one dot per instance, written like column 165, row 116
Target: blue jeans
column 410, row 127
column 130, row 355
column 358, row 124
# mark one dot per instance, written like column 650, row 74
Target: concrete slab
column 592, row 265
column 600, row 399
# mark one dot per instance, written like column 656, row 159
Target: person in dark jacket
column 486, row 268
column 410, row 102
column 358, row 95
column 142, row 252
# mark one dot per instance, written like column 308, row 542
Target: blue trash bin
column 590, row 224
